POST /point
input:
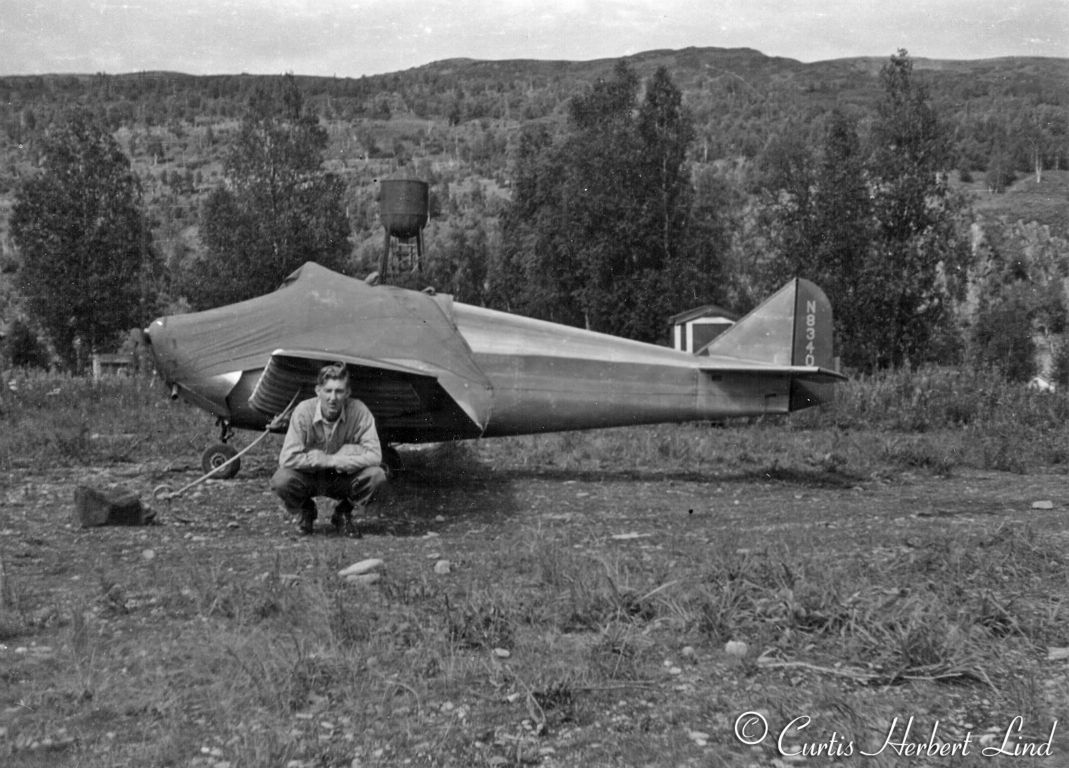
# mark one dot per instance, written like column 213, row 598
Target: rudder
column 792, row 327
column 813, row 327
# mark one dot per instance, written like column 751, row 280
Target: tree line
column 612, row 223
column 1003, row 116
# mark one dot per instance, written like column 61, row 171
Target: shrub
column 22, row 347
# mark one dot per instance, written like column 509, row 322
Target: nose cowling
column 156, row 339
column 146, row 337
column 164, row 365
column 174, row 351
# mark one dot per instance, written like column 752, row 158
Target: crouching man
column 331, row 449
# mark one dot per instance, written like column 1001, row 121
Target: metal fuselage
column 547, row 377
column 432, row 369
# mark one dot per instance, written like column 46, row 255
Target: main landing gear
column 218, row 454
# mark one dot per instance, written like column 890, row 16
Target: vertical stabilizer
column 792, row 327
column 791, row 330
column 765, row 335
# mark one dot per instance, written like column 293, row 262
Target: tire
column 217, row 455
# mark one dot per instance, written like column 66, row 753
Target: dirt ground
column 53, row 569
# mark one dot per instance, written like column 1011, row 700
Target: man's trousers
column 298, row 488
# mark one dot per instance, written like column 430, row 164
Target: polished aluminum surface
column 432, row 369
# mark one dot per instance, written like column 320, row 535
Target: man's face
column 332, row 395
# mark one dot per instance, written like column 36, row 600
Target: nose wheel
column 219, row 453
column 215, row 456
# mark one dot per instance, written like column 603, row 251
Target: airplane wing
column 406, row 358
column 412, row 400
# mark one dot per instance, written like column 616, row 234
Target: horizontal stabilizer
column 800, row 372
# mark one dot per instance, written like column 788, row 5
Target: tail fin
column 791, row 331
column 792, row 327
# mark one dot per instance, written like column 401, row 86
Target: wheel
column 216, row 456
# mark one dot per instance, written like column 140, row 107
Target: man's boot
column 308, row 516
column 342, row 519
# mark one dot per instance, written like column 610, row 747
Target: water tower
column 403, row 208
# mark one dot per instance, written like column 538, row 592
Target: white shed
column 694, row 329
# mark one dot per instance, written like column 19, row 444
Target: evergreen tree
column 920, row 253
column 665, row 132
column 682, row 235
column 878, row 229
column 536, row 274
column 787, row 180
column 277, row 208
column 819, row 214
column 87, row 261
column 604, row 191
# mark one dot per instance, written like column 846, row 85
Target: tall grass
column 939, row 418
column 943, row 608
column 60, row 420
column 935, row 420
column 932, row 399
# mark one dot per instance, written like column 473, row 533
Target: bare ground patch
column 583, row 618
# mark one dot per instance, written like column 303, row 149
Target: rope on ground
column 164, row 492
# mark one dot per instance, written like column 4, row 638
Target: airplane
column 431, row 369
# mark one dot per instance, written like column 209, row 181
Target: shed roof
column 706, row 310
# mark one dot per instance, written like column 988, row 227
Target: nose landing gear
column 218, row 454
column 215, row 456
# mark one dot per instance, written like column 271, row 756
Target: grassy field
column 645, row 596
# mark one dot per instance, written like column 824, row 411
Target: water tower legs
column 403, row 248
column 384, row 261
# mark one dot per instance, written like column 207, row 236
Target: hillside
column 731, row 92
column 453, row 123
column 1045, row 203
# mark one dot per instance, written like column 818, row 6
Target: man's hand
column 319, row 459
column 280, row 421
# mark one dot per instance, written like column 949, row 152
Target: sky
column 349, row 38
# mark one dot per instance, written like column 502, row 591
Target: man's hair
column 333, row 371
